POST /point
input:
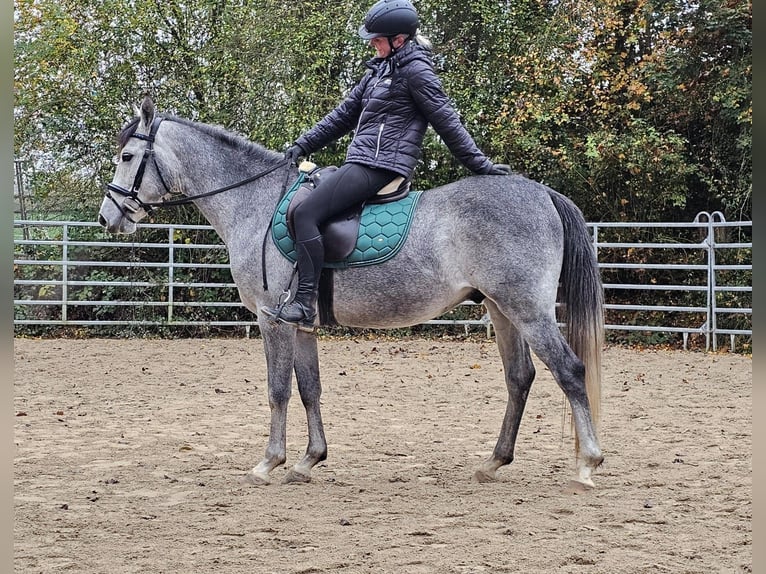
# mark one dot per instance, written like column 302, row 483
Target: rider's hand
column 293, row 153
column 500, row 169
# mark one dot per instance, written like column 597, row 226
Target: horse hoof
column 482, row 476
column 251, row 479
column 577, row 487
column 294, row 477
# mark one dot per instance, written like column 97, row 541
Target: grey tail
column 582, row 297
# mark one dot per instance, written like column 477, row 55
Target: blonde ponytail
column 421, row 40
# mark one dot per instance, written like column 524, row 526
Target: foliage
column 636, row 109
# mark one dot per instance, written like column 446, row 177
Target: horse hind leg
column 569, row 372
column 519, row 375
column 310, row 389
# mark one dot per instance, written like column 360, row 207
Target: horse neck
column 207, row 162
column 241, row 213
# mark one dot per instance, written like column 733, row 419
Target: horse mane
column 238, row 142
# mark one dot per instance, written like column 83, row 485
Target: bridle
column 132, row 203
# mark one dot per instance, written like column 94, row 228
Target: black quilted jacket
column 390, row 109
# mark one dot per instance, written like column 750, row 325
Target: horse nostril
column 101, row 220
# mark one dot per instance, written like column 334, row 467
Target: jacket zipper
column 359, row 121
column 383, row 125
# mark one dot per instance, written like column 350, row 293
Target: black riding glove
column 500, row 169
column 293, row 153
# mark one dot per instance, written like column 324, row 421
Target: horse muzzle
column 114, row 218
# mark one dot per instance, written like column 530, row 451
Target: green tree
column 701, row 74
column 254, row 67
column 605, row 113
column 637, row 109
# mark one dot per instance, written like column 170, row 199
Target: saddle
column 340, row 234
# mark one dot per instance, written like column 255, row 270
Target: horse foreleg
column 519, row 374
column 279, row 344
column 310, row 389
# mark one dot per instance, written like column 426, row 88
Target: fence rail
column 699, row 286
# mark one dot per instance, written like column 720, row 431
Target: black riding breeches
column 338, row 191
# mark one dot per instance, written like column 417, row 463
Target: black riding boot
column 301, row 310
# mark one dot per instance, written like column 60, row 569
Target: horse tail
column 582, row 297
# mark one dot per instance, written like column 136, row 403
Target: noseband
column 132, row 202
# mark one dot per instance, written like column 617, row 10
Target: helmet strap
column 391, row 44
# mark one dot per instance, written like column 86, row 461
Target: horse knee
column 310, row 393
column 529, row 376
column 279, row 396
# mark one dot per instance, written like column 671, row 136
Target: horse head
column 138, row 184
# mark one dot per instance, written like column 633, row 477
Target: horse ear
column 147, row 112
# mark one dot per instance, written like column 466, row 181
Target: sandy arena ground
column 129, row 455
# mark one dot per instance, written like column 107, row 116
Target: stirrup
column 300, row 318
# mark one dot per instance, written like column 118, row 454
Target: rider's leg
column 338, row 191
column 301, row 310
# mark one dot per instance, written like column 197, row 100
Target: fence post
column 711, row 326
column 710, row 258
column 594, row 239
column 64, row 271
column 715, row 217
column 171, row 274
column 18, row 166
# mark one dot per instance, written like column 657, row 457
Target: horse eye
column 126, row 156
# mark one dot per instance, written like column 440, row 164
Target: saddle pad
column 382, row 231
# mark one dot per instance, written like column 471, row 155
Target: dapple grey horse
column 512, row 243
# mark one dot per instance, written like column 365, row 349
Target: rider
column 389, row 109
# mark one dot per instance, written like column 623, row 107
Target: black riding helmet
column 389, row 18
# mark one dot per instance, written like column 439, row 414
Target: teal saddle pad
column 382, row 230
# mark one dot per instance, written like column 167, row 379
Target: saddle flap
column 340, row 234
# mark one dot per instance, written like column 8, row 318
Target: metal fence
column 699, row 275
column 696, row 276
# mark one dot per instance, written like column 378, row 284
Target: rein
column 190, row 198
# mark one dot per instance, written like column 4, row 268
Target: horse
column 513, row 244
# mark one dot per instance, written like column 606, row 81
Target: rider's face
column 382, row 49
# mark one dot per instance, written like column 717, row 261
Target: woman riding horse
column 389, row 109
